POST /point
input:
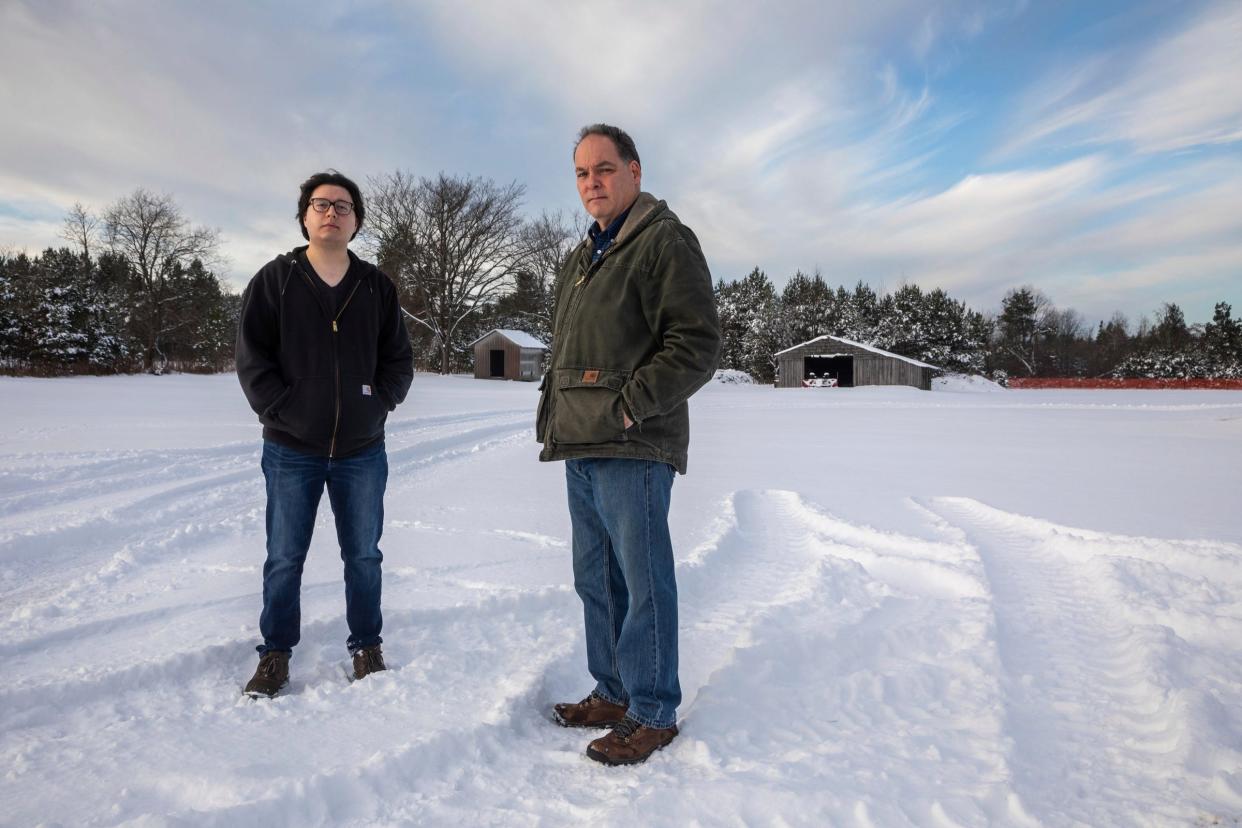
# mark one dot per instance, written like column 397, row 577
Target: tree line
column 1029, row 337
column 134, row 290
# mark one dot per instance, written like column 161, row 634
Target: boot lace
column 625, row 729
column 269, row 665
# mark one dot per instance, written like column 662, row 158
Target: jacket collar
column 644, row 210
column 366, row 270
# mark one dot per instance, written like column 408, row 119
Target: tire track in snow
column 71, row 478
column 435, row 759
column 719, row 603
column 1092, row 704
column 858, row 626
column 61, row 479
column 130, row 532
column 485, row 658
column 135, row 479
column 773, row 599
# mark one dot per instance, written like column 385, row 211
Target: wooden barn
column 501, row 354
column 834, row 361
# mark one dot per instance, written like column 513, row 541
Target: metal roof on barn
column 519, row 338
column 854, row 344
column 847, row 364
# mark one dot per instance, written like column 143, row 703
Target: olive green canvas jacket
column 634, row 333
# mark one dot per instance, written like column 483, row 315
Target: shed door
column 840, row 368
column 498, row 363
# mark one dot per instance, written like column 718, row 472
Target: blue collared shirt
column 603, row 239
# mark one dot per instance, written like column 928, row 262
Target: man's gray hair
column 620, row 139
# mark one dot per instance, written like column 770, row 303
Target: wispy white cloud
column 1088, row 241
column 224, row 107
column 790, row 136
column 629, row 57
column 1181, row 92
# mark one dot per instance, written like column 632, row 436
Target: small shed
column 850, row 364
column 502, row 354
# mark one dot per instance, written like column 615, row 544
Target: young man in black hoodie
column 323, row 356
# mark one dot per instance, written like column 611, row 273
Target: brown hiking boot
column 590, row 712
column 271, row 675
column 630, row 743
column 368, row 660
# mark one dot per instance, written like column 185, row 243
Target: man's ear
column 636, row 171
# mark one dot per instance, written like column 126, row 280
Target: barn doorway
column 498, row 363
column 840, row 368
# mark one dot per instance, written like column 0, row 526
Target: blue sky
column 1090, row 149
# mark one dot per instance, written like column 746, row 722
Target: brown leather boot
column 271, row 675
column 590, row 712
column 368, row 660
column 630, row 743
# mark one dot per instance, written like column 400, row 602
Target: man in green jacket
column 635, row 334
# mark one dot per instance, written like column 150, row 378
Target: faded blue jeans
column 623, row 572
column 295, row 484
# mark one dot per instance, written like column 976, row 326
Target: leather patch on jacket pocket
column 587, row 406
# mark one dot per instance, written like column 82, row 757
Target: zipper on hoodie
column 336, row 365
column 336, row 348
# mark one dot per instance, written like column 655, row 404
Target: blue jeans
column 295, row 483
column 623, row 572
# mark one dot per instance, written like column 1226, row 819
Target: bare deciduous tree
column 81, row 228
column 550, row 238
column 154, row 238
column 451, row 244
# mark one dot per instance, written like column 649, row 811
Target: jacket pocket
column 307, row 411
column 362, row 413
column 588, row 405
column 268, row 415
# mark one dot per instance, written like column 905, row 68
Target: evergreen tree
column 201, row 320
column 979, row 331
column 956, row 338
column 901, row 327
column 1171, row 334
column 17, row 298
column 1022, row 329
column 845, row 313
column 1222, row 342
column 61, row 320
column 114, row 348
column 1112, row 345
column 528, row 308
column 809, row 310
column 56, row 315
column 861, row 315
column 750, row 325
column 1167, row 350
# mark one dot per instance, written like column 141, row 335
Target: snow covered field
column 898, row 608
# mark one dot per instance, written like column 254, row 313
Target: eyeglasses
column 321, row 205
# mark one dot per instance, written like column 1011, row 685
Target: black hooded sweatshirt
column 321, row 378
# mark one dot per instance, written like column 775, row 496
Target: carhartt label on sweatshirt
column 366, row 390
column 590, row 376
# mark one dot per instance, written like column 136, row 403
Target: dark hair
column 329, row 177
column 619, row 137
